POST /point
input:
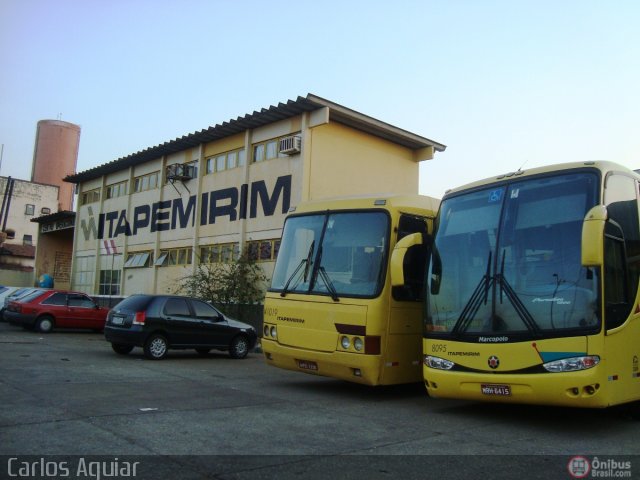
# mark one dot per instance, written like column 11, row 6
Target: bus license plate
column 496, row 390
column 307, row 365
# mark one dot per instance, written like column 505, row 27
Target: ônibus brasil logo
column 579, row 467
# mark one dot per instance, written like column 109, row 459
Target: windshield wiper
column 479, row 296
column 330, row 287
column 306, row 262
column 322, row 273
column 513, row 298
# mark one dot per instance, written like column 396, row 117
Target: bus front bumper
column 572, row 389
column 352, row 367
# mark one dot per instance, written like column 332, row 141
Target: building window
column 146, row 182
column 174, row 256
column 259, row 153
column 84, row 270
column 90, row 196
column 268, row 150
column 29, row 209
column 220, row 253
column 117, row 190
column 263, row 250
column 226, row 161
column 139, row 259
column 109, row 282
column 27, row 240
column 45, row 210
column 193, row 164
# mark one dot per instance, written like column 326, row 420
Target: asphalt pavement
column 68, row 402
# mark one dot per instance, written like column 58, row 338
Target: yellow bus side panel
column 621, row 349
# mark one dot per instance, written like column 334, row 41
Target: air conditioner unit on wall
column 180, row 171
column 290, row 145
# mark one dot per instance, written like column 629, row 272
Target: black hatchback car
column 158, row 323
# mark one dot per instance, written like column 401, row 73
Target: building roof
column 292, row 108
column 54, row 217
column 27, row 251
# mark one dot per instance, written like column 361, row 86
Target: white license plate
column 117, row 320
column 496, row 390
column 307, row 365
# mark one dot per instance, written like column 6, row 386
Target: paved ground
column 67, row 396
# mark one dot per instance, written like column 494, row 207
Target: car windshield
column 506, row 260
column 336, row 254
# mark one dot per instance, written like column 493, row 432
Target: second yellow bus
column 332, row 309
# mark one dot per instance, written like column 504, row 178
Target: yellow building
column 146, row 220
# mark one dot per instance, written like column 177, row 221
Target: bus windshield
column 335, row 253
column 506, row 261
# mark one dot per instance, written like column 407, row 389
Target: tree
column 239, row 282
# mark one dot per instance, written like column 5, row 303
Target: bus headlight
column 572, row 364
column 438, row 363
column 345, row 342
column 358, row 344
column 274, row 332
column 265, row 330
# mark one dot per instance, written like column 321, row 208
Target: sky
column 505, row 84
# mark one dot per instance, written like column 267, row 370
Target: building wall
column 19, row 216
column 348, row 162
column 240, row 205
column 54, row 256
column 16, row 278
column 28, row 200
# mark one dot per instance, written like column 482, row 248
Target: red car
column 44, row 310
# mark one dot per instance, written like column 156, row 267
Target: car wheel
column 203, row 351
column 121, row 349
column 239, row 347
column 44, row 324
column 156, row 347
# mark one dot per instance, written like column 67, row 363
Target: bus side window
column 622, row 249
column 414, row 261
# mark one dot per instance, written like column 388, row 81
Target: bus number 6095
column 438, row 348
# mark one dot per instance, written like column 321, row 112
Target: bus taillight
column 372, row 345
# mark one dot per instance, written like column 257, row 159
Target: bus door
column 404, row 339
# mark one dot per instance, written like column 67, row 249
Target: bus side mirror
column 397, row 257
column 593, row 236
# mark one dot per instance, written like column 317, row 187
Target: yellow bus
column 532, row 289
column 331, row 309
